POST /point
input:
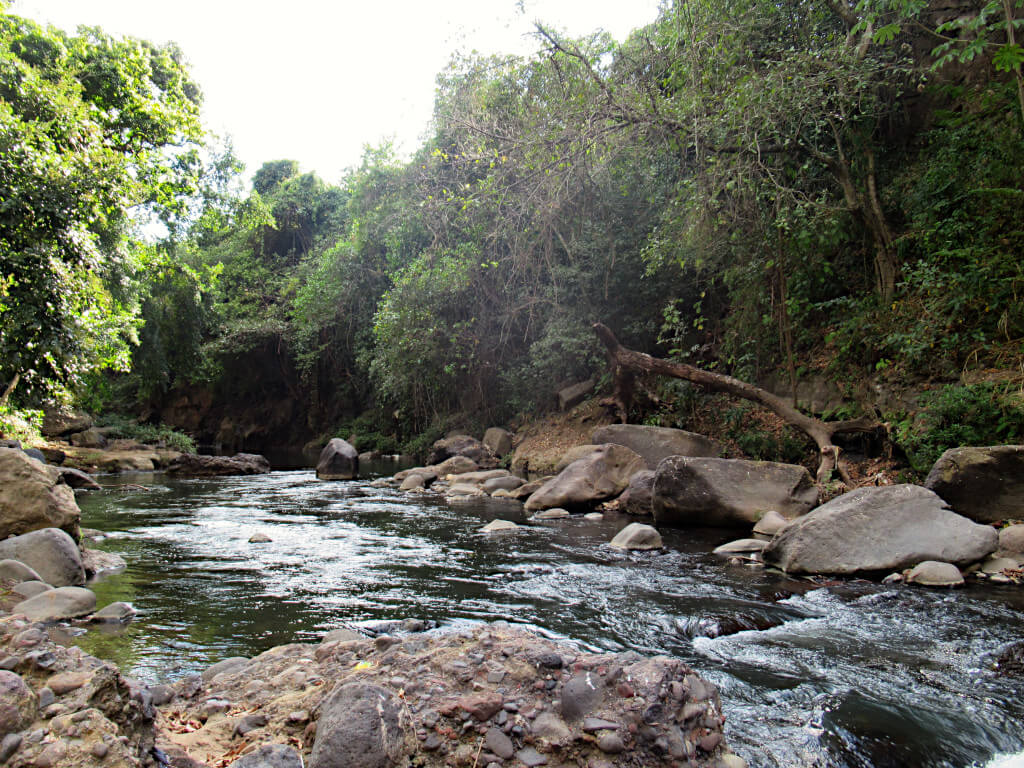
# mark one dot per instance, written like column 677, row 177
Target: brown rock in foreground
column 489, row 693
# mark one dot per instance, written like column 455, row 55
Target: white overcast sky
column 315, row 81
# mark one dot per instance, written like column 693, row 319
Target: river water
column 851, row 674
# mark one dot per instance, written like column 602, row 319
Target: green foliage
column 22, row 424
column 959, row 415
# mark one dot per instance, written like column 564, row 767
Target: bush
column 973, row 414
column 20, row 424
column 159, row 435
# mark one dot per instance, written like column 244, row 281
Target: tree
column 93, row 131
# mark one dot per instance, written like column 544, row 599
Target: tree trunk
column 10, row 388
column 626, row 363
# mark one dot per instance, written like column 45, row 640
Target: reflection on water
column 853, row 675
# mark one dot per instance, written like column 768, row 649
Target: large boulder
column 362, row 726
column 657, row 443
column 638, row 497
column 338, row 461
column 601, row 475
column 33, row 496
column 58, row 604
column 50, row 552
column 61, row 420
column 498, row 441
column 985, row 484
column 691, row 491
column 89, row 438
column 870, row 530
column 574, row 394
column 462, row 445
column 195, row 465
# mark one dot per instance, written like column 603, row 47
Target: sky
column 317, row 80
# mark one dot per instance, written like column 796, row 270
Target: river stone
column 574, row 453
column 195, row 465
column 413, row 482
column 76, row 478
column 89, row 438
column 741, row 546
column 637, row 536
column 362, row 726
column 729, row 492
column 50, row 552
column 498, row 441
column 932, row 573
column 507, row 483
column 228, row 665
column 29, row 589
column 115, row 613
column 58, row 604
column 551, row 514
column 270, row 756
column 771, row 523
column 60, row 420
column 581, row 695
column 1011, row 540
column 15, row 570
column 479, row 477
column 455, row 465
column 603, row 474
column 879, row 529
column 338, row 461
column 498, row 526
column 17, row 703
column 33, row 496
column 97, row 561
column 342, row 635
column 985, row 484
column 657, row 443
column 551, row 728
column 1000, row 564
column 260, row 538
column 464, row 489
column 498, row 743
column 462, row 445
column 637, row 498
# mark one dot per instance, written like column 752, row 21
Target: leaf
column 885, row 34
column 1008, row 57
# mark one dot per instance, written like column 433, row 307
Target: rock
column 224, row 666
column 50, row 552
column 657, row 443
column 771, row 523
column 498, row 743
column 983, row 484
column 611, row 743
column 17, row 703
column 97, row 561
column 249, row 723
column 638, row 496
column 879, row 529
column 76, row 478
column 32, row 496
column 499, row 526
column 115, row 613
column 53, row 455
column 594, row 516
column 270, row 756
column 194, row 465
column 413, row 482
column 9, row 443
column 551, row 728
column 637, row 536
column 1000, row 564
column 507, row 483
column 741, row 546
column 367, row 456
column 551, row 514
column 601, row 475
column 1011, row 540
column 729, row 492
column 29, row 589
column 260, row 538
column 482, row 706
column 338, row 461
column 456, row 465
column 66, row 682
column 479, row 477
column 465, row 446
column 932, row 573
column 574, row 453
column 526, row 490
column 530, row 757
column 89, row 438
column 58, row 604
column 362, row 726
column 574, row 394
column 498, row 441
column 464, row 489
column 729, row 760
column 15, row 570
column 60, row 420
column 34, row 453
column 582, row 694
column 342, row 635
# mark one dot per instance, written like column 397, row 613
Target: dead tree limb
column 626, row 363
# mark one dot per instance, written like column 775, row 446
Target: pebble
column 500, row 744
column 432, row 742
column 9, row 746
column 46, row 697
column 610, row 743
column 530, row 757
column 99, row 750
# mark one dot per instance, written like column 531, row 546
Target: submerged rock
column 497, row 526
column 58, row 604
column 729, row 492
column 985, row 484
column 879, row 529
column 338, row 461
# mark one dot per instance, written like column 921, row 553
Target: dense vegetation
column 755, row 187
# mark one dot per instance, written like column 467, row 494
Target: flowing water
column 851, row 674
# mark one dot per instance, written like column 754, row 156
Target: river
column 851, row 674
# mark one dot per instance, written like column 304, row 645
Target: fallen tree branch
column 626, row 363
